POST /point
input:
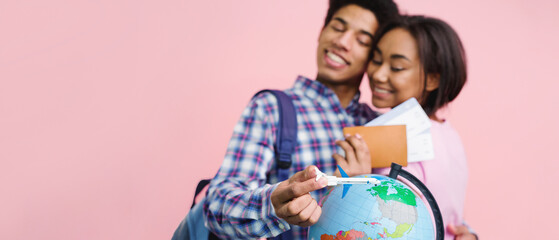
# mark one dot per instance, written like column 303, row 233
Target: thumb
column 298, row 186
column 308, row 173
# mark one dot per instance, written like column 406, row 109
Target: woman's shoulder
column 443, row 126
column 443, row 133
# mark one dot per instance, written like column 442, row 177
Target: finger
column 315, row 217
column 314, row 214
column 304, row 213
column 361, row 150
column 466, row 236
column 348, row 149
column 457, row 230
column 460, row 230
column 340, row 161
column 292, row 209
column 297, row 189
column 358, row 143
column 470, row 236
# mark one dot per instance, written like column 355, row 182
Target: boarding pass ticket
column 418, row 126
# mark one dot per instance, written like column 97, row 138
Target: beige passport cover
column 387, row 144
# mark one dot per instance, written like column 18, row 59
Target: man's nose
column 344, row 41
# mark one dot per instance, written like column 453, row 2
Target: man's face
column 344, row 45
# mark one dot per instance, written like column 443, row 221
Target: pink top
column 446, row 175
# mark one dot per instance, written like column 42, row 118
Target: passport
column 387, row 144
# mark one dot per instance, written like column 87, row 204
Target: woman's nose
column 378, row 73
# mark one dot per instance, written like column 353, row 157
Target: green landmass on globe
column 402, row 194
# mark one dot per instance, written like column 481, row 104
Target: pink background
column 111, row 111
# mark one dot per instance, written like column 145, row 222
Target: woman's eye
column 396, row 69
column 376, row 62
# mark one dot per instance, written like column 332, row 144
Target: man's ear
column 433, row 80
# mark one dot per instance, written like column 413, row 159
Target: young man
column 245, row 200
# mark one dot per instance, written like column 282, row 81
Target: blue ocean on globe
column 389, row 210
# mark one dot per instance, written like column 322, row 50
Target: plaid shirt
column 238, row 204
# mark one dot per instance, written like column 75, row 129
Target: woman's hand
column 357, row 159
column 461, row 232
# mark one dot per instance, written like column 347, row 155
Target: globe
column 389, row 210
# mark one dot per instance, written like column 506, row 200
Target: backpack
column 192, row 228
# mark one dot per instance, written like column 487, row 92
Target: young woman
column 423, row 57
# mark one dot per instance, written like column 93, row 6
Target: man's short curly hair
column 384, row 10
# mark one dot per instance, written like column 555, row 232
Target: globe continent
column 390, row 210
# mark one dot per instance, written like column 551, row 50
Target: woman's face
column 395, row 73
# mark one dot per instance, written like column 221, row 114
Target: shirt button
column 281, row 226
column 340, row 116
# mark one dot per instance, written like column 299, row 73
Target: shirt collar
column 316, row 90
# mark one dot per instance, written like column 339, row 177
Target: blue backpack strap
column 286, row 140
column 203, row 183
column 286, row 135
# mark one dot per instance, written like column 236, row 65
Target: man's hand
column 461, row 232
column 292, row 201
column 357, row 159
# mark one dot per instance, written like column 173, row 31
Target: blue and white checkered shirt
column 238, row 204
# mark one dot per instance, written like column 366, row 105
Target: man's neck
column 344, row 91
